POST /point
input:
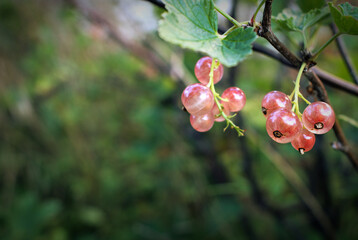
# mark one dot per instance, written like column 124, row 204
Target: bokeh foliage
column 94, row 145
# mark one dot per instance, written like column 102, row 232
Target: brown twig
column 328, row 78
column 335, row 81
column 342, row 141
column 266, row 32
column 322, row 95
column 345, row 56
column 93, row 17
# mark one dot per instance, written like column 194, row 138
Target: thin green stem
column 257, row 11
column 216, row 99
column 228, row 17
column 291, row 95
column 325, row 45
column 222, row 99
column 303, row 98
column 230, row 30
column 296, row 91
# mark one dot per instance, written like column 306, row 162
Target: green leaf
column 345, row 17
column 193, row 24
column 297, row 21
column 286, row 20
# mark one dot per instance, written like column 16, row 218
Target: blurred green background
column 94, row 144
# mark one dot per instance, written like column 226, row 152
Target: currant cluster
column 284, row 126
column 203, row 103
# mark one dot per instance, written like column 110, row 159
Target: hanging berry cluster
column 285, row 123
column 204, row 104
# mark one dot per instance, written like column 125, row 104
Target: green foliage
column 297, row 21
column 193, row 24
column 29, row 214
column 94, row 144
column 290, row 20
column 345, row 17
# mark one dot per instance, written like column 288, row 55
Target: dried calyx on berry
column 283, row 125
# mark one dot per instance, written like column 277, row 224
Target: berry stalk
column 296, row 92
column 228, row 17
column 253, row 19
column 325, row 45
column 217, row 97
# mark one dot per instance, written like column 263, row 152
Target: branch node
column 339, row 146
column 266, row 32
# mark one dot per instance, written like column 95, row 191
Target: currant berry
column 304, row 141
column 197, row 99
column 202, row 123
column 283, row 125
column 215, row 111
column 274, row 100
column 202, row 70
column 318, row 117
column 236, row 99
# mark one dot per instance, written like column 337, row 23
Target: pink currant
column 236, row 99
column 202, row 70
column 197, row 99
column 283, row 125
column 318, row 117
column 304, row 141
column 274, row 100
column 202, row 123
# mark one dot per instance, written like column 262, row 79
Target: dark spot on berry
column 318, row 125
column 301, row 150
column 264, row 110
column 277, row 134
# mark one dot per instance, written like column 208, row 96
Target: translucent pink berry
column 318, row 117
column 202, row 123
column 304, row 141
column 215, row 111
column 236, row 99
column 197, row 99
column 202, row 70
column 283, row 125
column 274, row 100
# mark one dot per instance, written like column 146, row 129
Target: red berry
column 283, row 125
column 236, row 99
column 202, row 123
column 197, row 99
column 318, row 117
column 274, row 100
column 202, row 70
column 304, row 141
column 215, row 111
